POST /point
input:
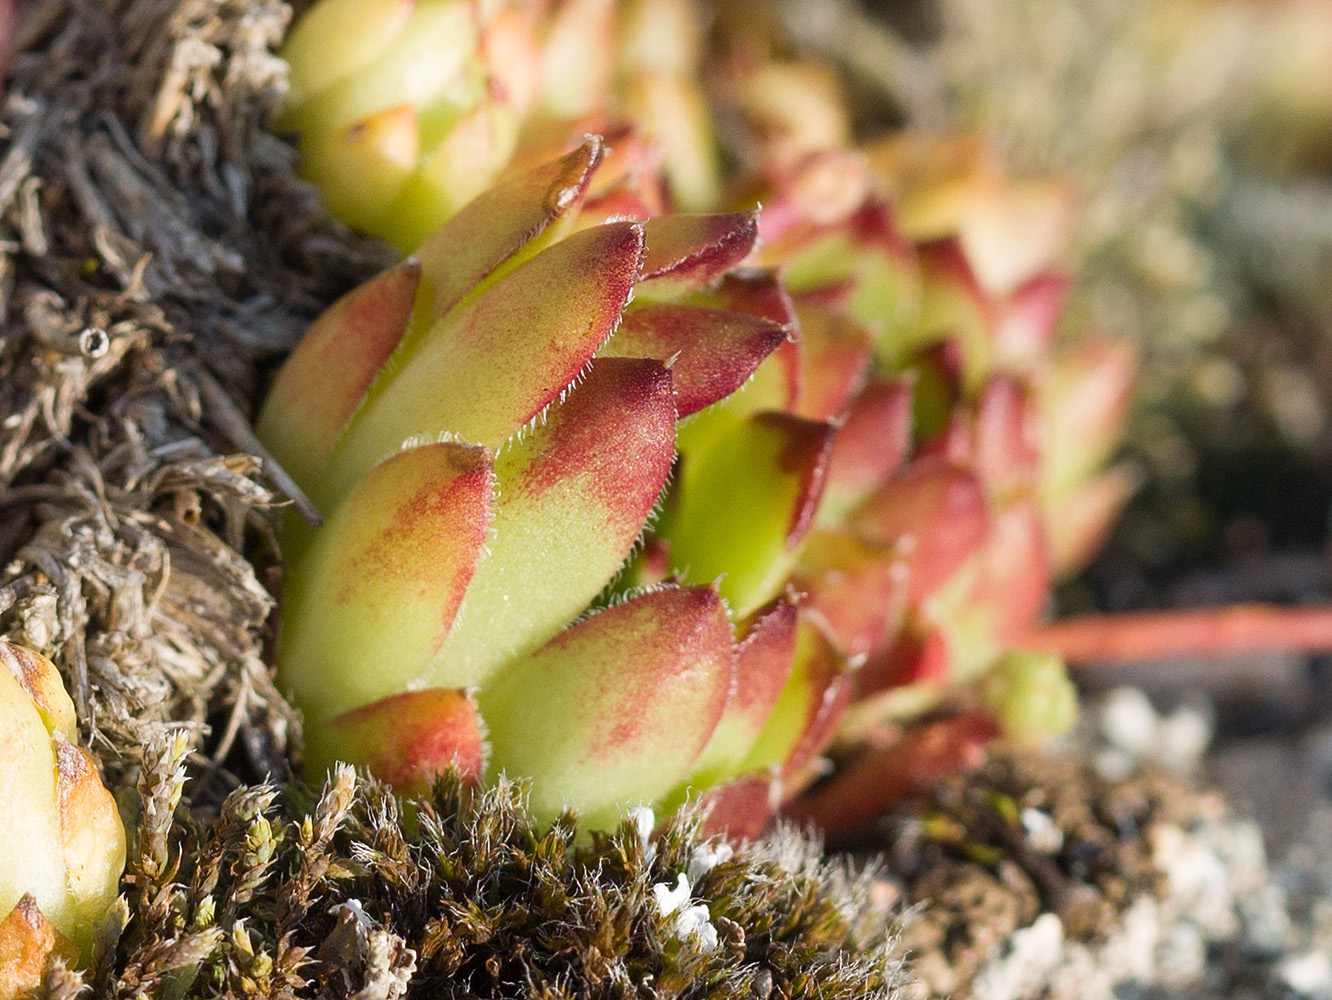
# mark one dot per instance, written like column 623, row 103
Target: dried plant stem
column 1222, row 631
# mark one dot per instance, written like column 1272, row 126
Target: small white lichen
column 706, row 857
column 669, row 900
column 690, row 921
column 1042, row 832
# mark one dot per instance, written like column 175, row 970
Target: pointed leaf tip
column 508, row 215
column 324, row 379
column 689, row 251
column 489, row 367
column 714, row 351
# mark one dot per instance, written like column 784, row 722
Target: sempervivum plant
column 407, row 109
column 968, row 470
column 488, row 428
column 62, row 847
column 863, row 477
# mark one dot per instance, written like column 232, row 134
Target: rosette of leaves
column 488, row 428
column 407, row 109
column 969, row 468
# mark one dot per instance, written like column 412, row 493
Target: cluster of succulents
column 637, row 505
column 407, row 109
column 641, row 505
column 1198, row 134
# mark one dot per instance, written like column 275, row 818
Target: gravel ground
column 1140, row 862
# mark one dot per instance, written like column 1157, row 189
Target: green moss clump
column 345, row 893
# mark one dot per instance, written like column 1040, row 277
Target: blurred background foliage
column 1199, row 136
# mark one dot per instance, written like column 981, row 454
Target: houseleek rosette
column 407, row 109
column 488, row 428
column 882, row 504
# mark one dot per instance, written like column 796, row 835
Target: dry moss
column 155, row 251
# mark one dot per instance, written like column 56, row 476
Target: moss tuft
column 344, row 893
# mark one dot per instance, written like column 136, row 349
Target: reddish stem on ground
column 1154, row 635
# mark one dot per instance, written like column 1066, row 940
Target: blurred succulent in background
column 407, row 109
column 968, row 471
column 1200, row 137
column 62, row 846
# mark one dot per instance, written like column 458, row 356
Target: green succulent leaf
column 745, row 504
column 361, row 168
column 338, row 38
column 764, row 658
column 371, row 601
column 406, row 740
column 573, row 498
column 805, row 716
column 428, row 63
column 329, row 373
column 506, row 224
column 615, row 711
column 496, row 362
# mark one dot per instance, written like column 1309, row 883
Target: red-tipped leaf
column 856, row 589
column 764, row 659
column 871, row 445
column 494, row 226
column 373, row 598
column 574, row 496
column 1005, row 444
column 746, row 503
column 324, row 379
column 935, row 513
column 859, row 792
column 835, row 359
column 614, row 712
column 685, row 252
column 740, row 809
column 804, row 719
column 485, row 370
column 711, row 352
column 406, row 740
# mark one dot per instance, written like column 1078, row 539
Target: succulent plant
column 852, row 526
column 407, row 109
column 966, row 473
column 488, row 428
column 63, row 843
